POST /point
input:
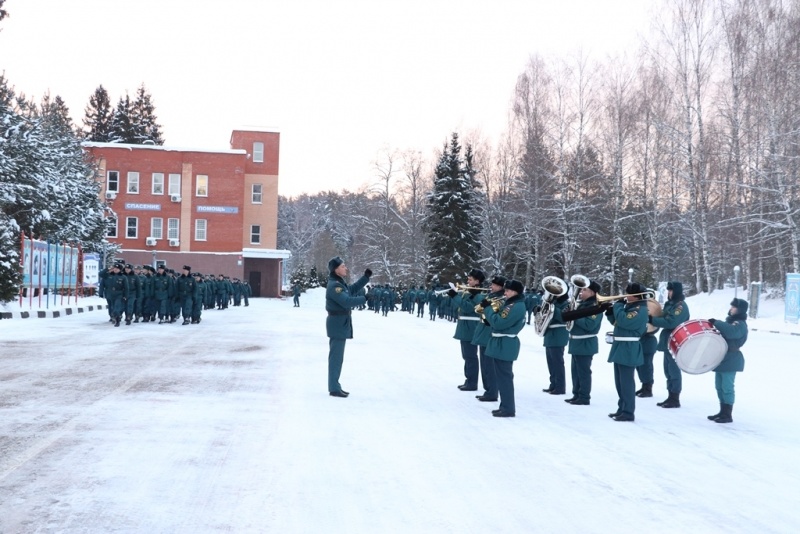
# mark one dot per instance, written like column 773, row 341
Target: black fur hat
column 635, row 287
column 334, row 264
column 478, row 275
column 499, row 280
column 740, row 305
column 515, row 285
column 594, row 286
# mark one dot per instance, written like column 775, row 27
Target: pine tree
column 98, row 116
column 146, row 129
column 122, row 129
column 454, row 224
column 313, row 278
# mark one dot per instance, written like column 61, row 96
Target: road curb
column 50, row 314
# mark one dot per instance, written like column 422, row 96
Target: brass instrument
column 613, row 298
column 494, row 303
column 578, row 282
column 464, row 287
column 554, row 287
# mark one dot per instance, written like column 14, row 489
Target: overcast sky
column 341, row 80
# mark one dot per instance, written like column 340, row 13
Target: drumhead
column 701, row 353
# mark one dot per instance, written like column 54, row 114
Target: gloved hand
column 650, row 319
column 610, row 313
column 537, row 309
column 712, row 321
column 452, row 293
column 368, row 273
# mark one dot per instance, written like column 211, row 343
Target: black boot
column 716, row 415
column 646, row 391
column 725, row 414
column 116, row 321
column 673, row 401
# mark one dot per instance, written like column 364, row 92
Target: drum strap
column 587, row 336
column 626, row 338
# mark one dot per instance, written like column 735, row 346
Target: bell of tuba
column 578, row 282
column 554, row 287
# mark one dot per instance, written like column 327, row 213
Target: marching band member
column 583, row 345
column 465, row 327
column 734, row 331
column 630, row 323
column 506, row 322
column 675, row 312
column 555, row 339
column 483, row 333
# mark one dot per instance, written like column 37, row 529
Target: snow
column 228, row 426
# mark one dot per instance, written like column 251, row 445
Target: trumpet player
column 630, row 323
column 583, row 343
column 465, row 303
column 506, row 322
column 483, row 333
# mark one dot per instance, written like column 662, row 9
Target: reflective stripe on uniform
column 503, row 335
column 587, row 336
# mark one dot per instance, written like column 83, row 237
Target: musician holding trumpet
column 483, row 334
column 583, row 338
column 465, row 302
column 630, row 323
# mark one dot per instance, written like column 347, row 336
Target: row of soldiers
column 143, row 293
column 383, row 299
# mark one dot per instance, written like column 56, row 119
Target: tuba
column 554, row 287
column 578, row 282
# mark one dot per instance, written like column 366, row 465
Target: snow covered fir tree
column 454, row 224
column 47, row 188
column 131, row 122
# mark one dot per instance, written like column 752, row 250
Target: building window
column 157, row 228
column 256, row 194
column 133, row 183
column 132, row 227
column 111, row 227
column 255, row 234
column 201, row 187
column 174, row 184
column 173, row 228
column 112, row 182
column 258, row 152
column 158, row 183
column 200, row 229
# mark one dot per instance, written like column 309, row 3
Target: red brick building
column 216, row 210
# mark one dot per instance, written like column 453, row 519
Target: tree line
column 678, row 160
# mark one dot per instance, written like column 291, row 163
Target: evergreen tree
column 98, row 116
column 299, row 277
column 313, row 278
column 454, row 224
column 122, row 129
column 146, row 129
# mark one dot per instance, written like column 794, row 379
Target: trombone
column 646, row 295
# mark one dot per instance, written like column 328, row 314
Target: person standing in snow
column 675, row 312
column 340, row 299
column 481, row 338
column 507, row 320
column 583, row 343
column 630, row 323
column 296, row 295
column 734, row 331
column 465, row 303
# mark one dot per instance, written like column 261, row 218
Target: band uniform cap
column 594, row 286
column 635, row 287
column 740, row 304
column 515, row 285
column 478, row 275
column 499, row 280
column 334, row 263
column 187, row 268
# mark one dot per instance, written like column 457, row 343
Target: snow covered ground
column 228, row 427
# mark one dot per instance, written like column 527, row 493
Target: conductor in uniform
column 340, row 299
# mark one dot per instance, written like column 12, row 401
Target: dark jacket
column 339, row 300
column 734, row 331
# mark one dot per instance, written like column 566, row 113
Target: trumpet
column 493, row 303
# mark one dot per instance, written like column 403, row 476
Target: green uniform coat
column 506, row 324
column 630, row 321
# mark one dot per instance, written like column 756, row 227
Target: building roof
column 90, row 144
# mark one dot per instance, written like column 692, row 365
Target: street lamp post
column 736, row 270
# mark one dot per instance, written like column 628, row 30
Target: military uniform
column 583, row 346
column 556, row 338
column 674, row 313
column 465, row 303
column 116, row 291
column 162, row 292
column 734, row 331
column 630, row 323
column 481, row 338
column 197, row 303
column 504, row 345
column 340, row 299
column 186, row 293
column 296, row 295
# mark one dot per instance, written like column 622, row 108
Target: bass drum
column 697, row 347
